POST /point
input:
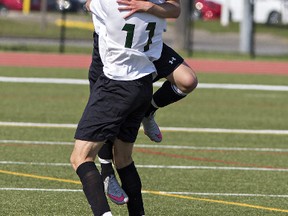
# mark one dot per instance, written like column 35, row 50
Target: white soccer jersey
column 127, row 46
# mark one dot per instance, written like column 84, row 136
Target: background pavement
column 265, row 44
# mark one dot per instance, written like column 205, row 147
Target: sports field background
column 224, row 150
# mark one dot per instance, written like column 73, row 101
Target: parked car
column 3, row 9
column 265, row 11
column 207, row 10
column 18, row 4
column 68, row 5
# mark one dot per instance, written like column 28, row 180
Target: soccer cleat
column 114, row 190
column 151, row 128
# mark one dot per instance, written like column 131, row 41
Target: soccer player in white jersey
column 118, row 101
column 181, row 80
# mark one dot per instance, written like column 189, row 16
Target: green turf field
column 200, row 170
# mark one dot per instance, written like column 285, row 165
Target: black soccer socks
column 165, row 95
column 131, row 184
column 106, row 150
column 93, row 188
column 106, row 154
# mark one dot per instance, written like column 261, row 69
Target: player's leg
column 179, row 83
column 105, row 155
column 123, row 147
column 111, row 185
column 181, row 80
column 82, row 160
column 129, row 176
column 89, row 140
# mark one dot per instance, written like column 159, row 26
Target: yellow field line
column 216, row 201
column 39, row 177
column 150, row 192
column 75, row 24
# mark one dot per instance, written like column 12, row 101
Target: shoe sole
column 158, row 141
column 125, row 201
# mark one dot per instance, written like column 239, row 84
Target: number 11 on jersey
column 130, row 34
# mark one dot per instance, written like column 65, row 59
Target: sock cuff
column 127, row 169
column 104, row 161
column 178, row 91
column 84, row 168
column 154, row 104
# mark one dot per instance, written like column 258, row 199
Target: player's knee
column 121, row 162
column 188, row 84
column 185, row 78
column 73, row 161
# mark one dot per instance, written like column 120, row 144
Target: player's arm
column 168, row 9
column 87, row 5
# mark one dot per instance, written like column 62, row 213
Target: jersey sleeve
column 97, row 10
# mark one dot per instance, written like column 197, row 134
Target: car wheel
column 274, row 18
column 230, row 16
column 63, row 5
column 3, row 10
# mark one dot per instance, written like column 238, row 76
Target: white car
column 265, row 11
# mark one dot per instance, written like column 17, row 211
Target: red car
column 52, row 5
column 18, row 4
column 207, row 9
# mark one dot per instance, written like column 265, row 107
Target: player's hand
column 87, row 5
column 134, row 6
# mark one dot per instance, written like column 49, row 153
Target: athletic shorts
column 115, row 109
column 165, row 65
column 96, row 66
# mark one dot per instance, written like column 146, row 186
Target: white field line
column 172, row 129
column 28, row 142
column 243, row 87
column 214, row 168
column 44, row 80
column 212, row 148
column 34, row 163
column 158, row 166
column 157, row 84
column 32, row 124
column 162, row 192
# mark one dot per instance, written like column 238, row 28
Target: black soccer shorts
column 167, row 63
column 115, row 109
column 96, row 66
